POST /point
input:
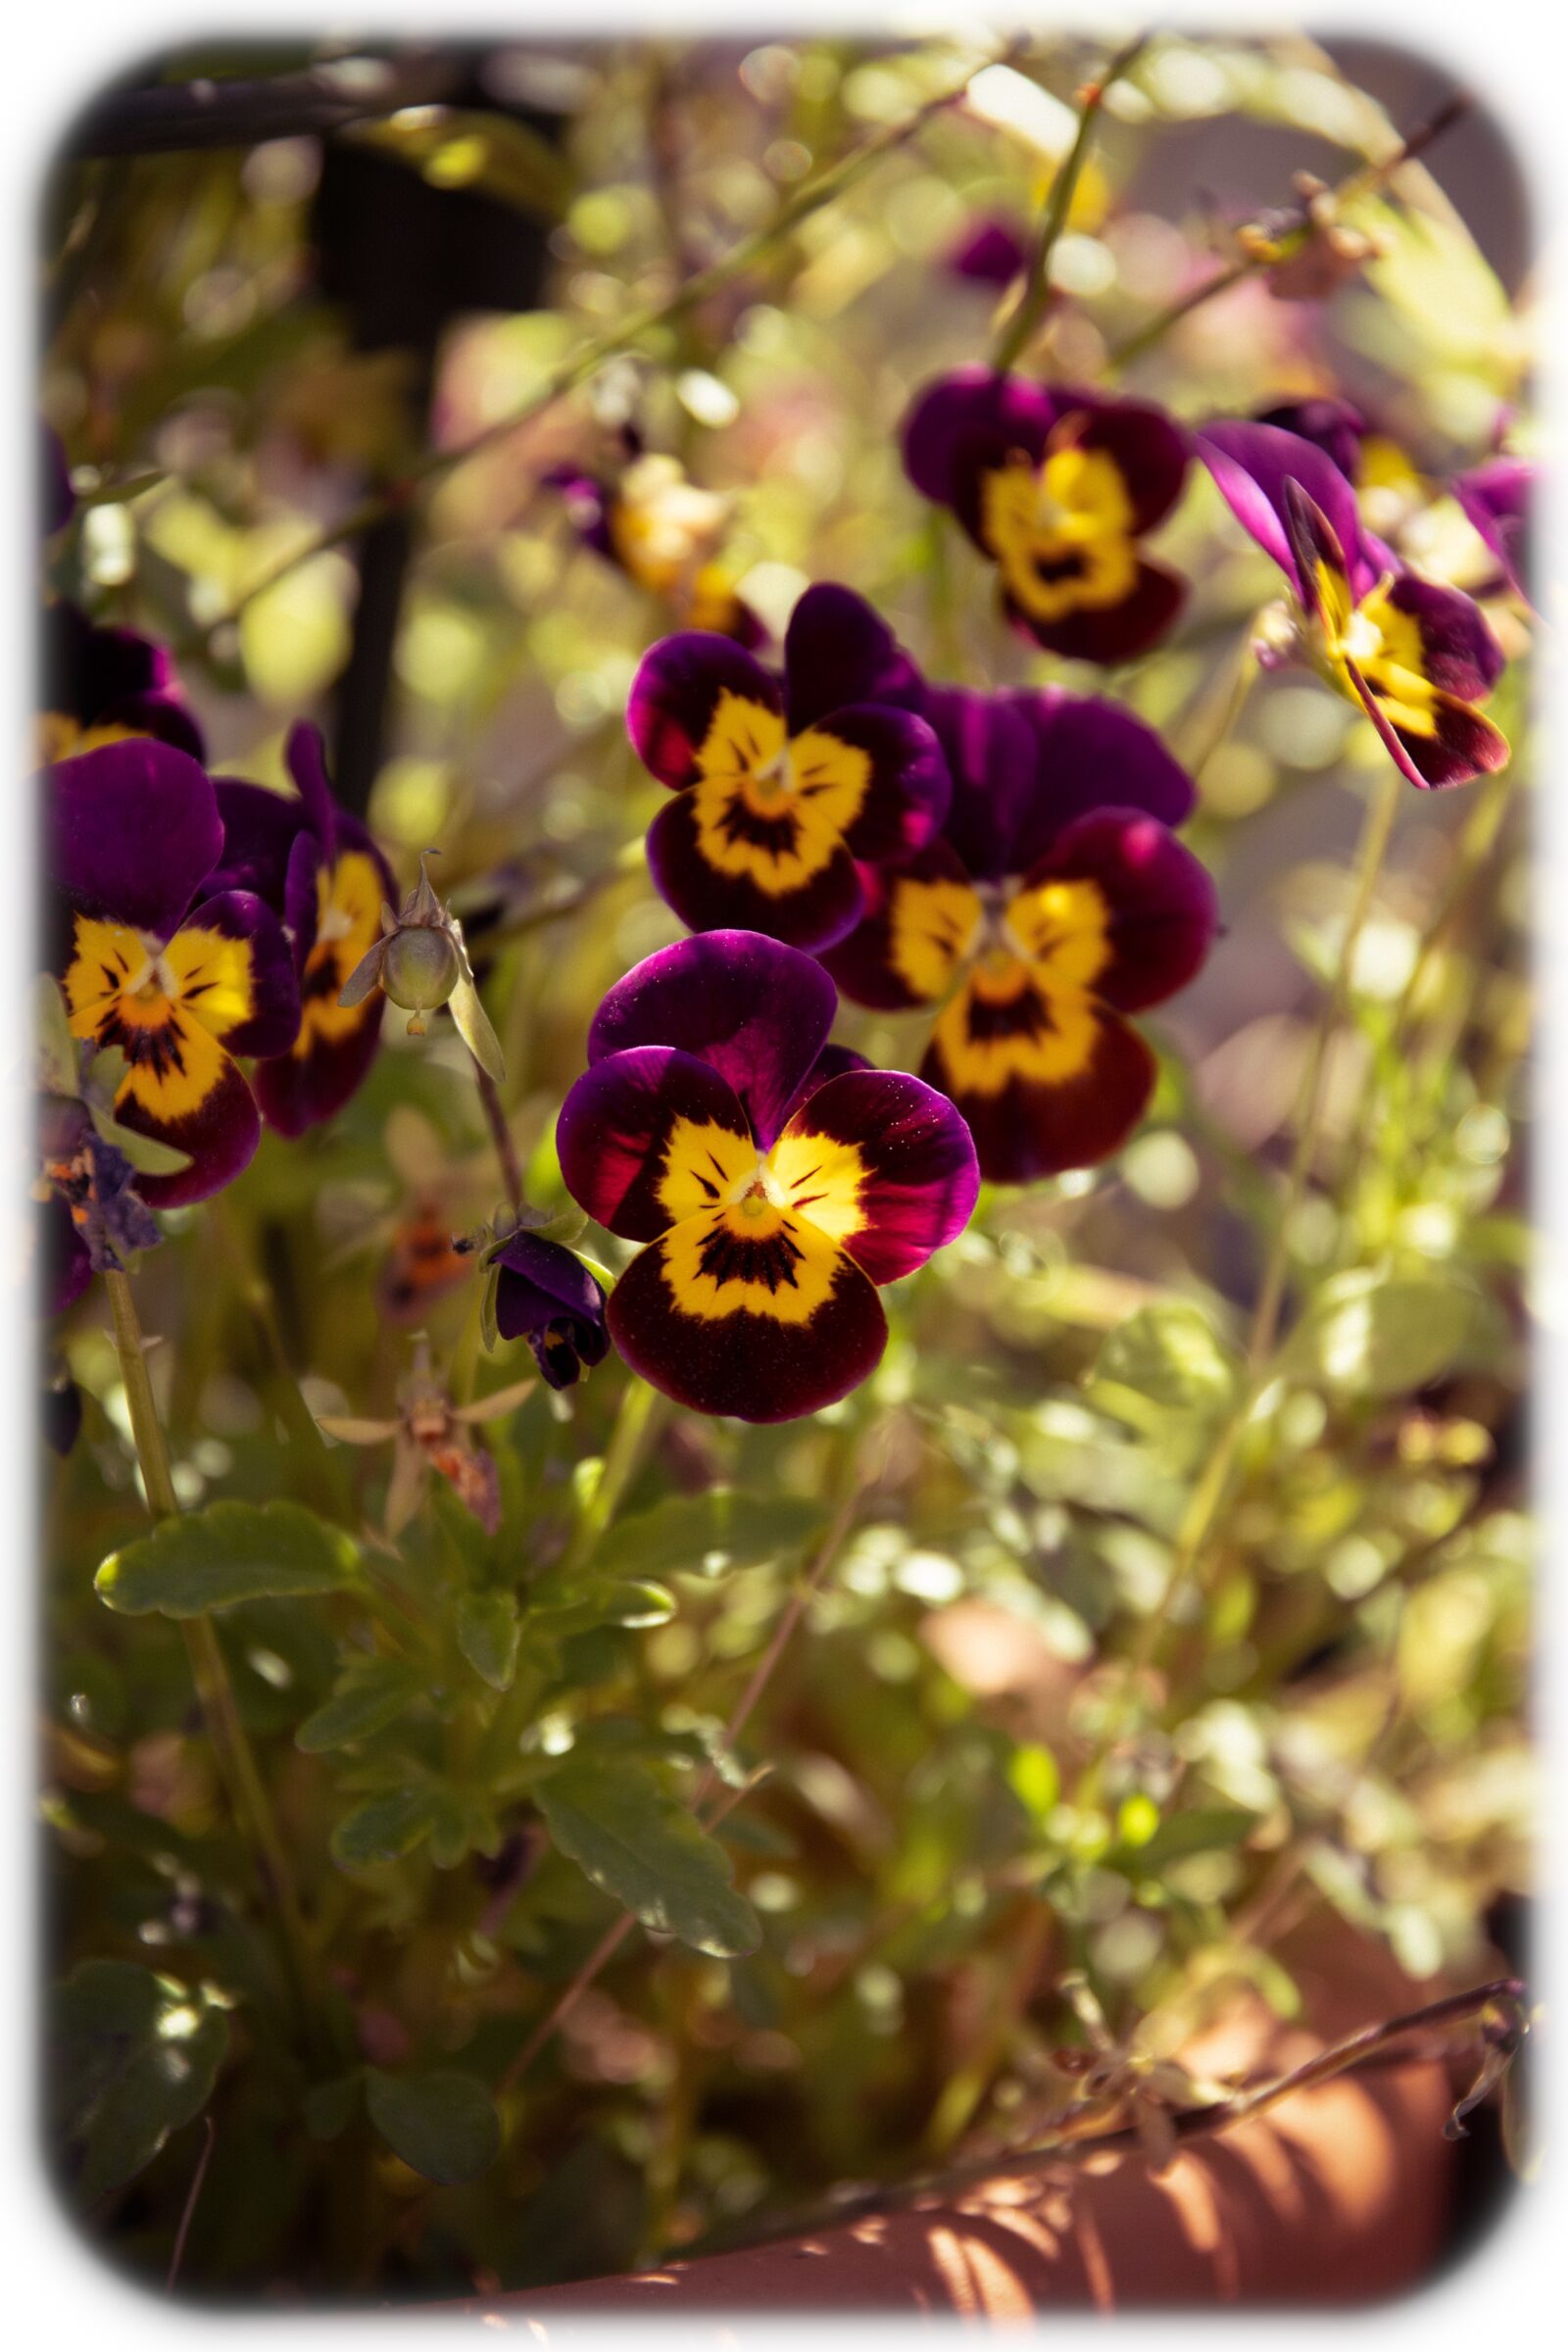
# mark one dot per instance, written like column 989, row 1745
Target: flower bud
column 419, row 968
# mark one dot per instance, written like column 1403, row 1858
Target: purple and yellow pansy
column 179, row 982
column 1496, row 498
column 1057, row 486
column 659, row 528
column 319, row 869
column 1057, row 902
column 783, row 788
column 1418, row 658
column 546, row 1294
column 103, row 686
column 772, row 1198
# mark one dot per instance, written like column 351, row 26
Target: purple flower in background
column 663, row 532
column 772, row 1201
column 1496, row 498
column 783, row 788
column 992, row 251
column 1416, row 656
column 1058, row 487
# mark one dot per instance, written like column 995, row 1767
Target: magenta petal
column 757, row 1011
column 1088, row 754
column 991, row 752
column 970, row 419
column 809, row 915
column 675, row 696
column 837, row 650
column 275, row 1017
column 134, row 830
column 1333, row 426
column 990, row 251
column 753, row 1366
column 1162, row 906
column 1496, row 498
column 1252, row 465
column 921, row 1173
column 630, row 1130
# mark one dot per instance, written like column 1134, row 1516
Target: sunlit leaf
column 226, row 1553
column 619, row 1822
column 135, row 2055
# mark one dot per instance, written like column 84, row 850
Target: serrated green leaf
column 441, row 2124
column 1374, row 1335
column 487, row 1632
column 706, row 1534
column 135, row 2056
column 366, row 1699
column 619, row 1822
column 1168, row 1355
column 230, row 1551
column 385, row 1829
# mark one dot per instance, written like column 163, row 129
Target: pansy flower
column 990, row 250
column 1418, row 658
column 782, row 787
column 317, row 867
column 179, row 983
column 102, row 685
column 772, row 1201
column 1057, row 486
column 663, row 532
column 1057, row 902
column 546, row 1294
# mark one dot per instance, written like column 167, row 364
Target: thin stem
column 1370, row 2046
column 191, row 2195
column 236, row 1761
column 590, row 355
column 1363, row 181
column 296, row 1415
column 641, row 1412
column 1018, row 330
column 495, row 1111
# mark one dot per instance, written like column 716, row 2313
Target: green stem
column 236, row 1761
column 320, row 1471
column 1018, row 330
column 641, row 1414
column 495, row 1113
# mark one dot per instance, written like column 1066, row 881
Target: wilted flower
column 771, row 1204
column 781, row 786
column 431, row 1434
column 1418, row 658
column 1056, row 902
column 319, row 869
column 420, row 963
column 546, row 1294
column 1057, row 486
column 1311, row 252
column 178, row 985
column 664, row 533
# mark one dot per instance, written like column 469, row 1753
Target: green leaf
column 146, row 1155
column 367, row 1697
column 1169, row 1357
column 1203, row 1829
column 328, row 2107
column 1375, row 1335
column 706, row 1534
column 441, row 2124
column 54, row 1047
column 619, row 1822
column 474, row 1027
column 386, row 1828
column 230, row 1551
column 136, row 2056
column 487, row 1635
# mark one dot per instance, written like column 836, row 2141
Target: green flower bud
column 419, row 968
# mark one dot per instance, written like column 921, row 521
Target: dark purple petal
column 261, row 829
column 1086, row 755
column 1462, row 743
column 1148, row 448
column 796, row 888
column 990, row 251
column 649, row 1135
column 838, row 651
column 546, row 1295
column 305, row 757
column 832, row 1062
column 907, row 788
column 1156, row 915
column 1251, row 465
column 882, row 1163
column 676, row 695
column 587, row 502
column 757, row 1011
column 1458, row 651
column 102, row 678
column 963, row 423
column 221, row 1133
column 134, row 830
column 1047, row 1081
column 990, row 754
column 67, row 1268
column 272, row 1022
column 300, row 1089
column 1333, row 426
column 58, row 499
column 763, row 1327
column 1109, row 633
column 921, row 922
column 1496, row 499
